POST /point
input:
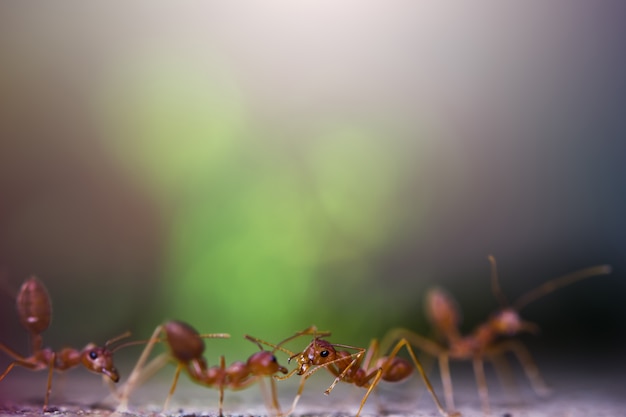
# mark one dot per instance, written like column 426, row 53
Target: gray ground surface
column 580, row 389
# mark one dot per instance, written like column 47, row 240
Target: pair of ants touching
column 490, row 340
column 362, row 367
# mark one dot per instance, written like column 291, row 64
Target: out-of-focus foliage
column 260, row 169
column 256, row 225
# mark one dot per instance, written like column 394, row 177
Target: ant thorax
column 506, row 322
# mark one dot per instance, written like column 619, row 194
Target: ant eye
column 93, row 355
column 324, row 353
column 274, row 358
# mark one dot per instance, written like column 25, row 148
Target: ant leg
column 505, row 374
column 528, row 365
column 270, row 399
column 302, row 382
column 135, row 378
column 264, row 394
column 283, row 377
column 371, row 353
column 19, row 362
column 479, row 373
column 6, row 371
column 13, row 354
column 221, row 386
column 149, row 370
column 179, row 368
column 405, row 343
column 274, row 392
column 342, row 375
column 418, row 341
column 297, row 397
column 378, row 375
column 49, row 386
column 431, row 348
column 446, row 380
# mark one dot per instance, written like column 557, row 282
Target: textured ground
column 580, row 389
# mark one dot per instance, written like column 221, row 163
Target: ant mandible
column 186, row 348
column 35, row 313
column 363, row 368
column 489, row 340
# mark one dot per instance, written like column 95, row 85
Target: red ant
column 356, row 368
column 486, row 341
column 186, row 349
column 34, row 310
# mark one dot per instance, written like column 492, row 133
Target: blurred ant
column 486, row 341
column 186, row 349
column 353, row 368
column 35, row 312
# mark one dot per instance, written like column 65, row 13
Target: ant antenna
column 123, row 345
column 309, row 330
column 117, row 338
column 260, row 343
column 557, row 283
column 495, row 283
column 158, row 339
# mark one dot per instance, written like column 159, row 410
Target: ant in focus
column 489, row 340
column 363, row 368
column 35, row 313
column 186, row 348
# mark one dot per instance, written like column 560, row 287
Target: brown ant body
column 186, row 349
column 489, row 340
column 362, row 368
column 35, row 313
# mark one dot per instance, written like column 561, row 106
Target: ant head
column 265, row 363
column 508, row 322
column 99, row 360
column 319, row 352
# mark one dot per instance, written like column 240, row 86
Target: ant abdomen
column 397, row 370
column 184, row 341
column 33, row 306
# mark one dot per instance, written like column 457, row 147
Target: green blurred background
column 261, row 167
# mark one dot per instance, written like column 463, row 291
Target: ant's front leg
column 139, row 374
